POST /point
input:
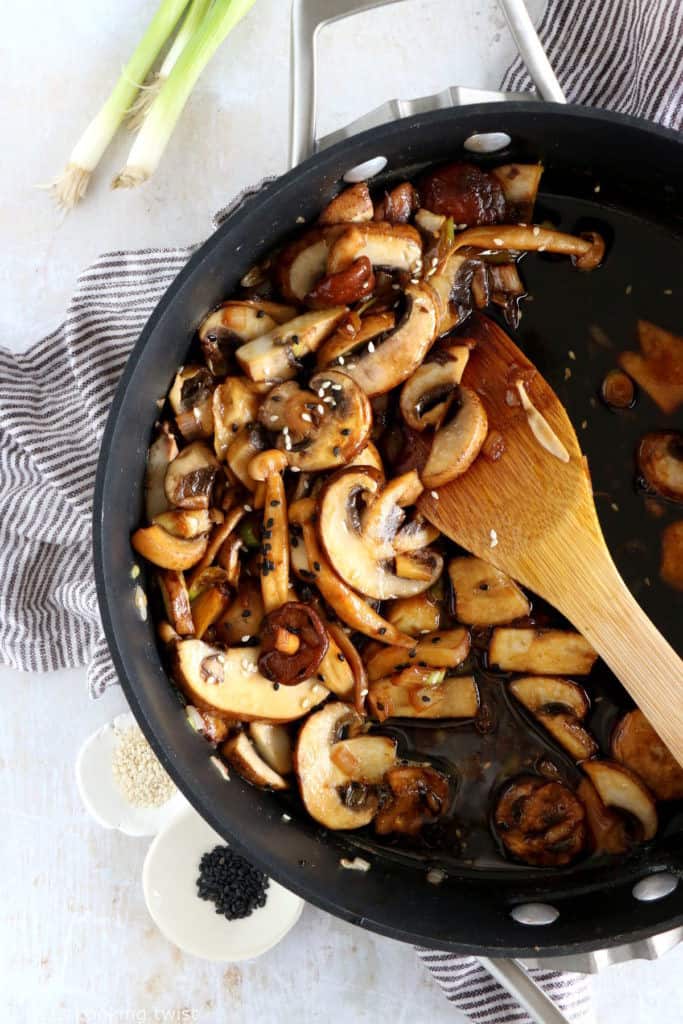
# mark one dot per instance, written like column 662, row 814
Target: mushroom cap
column 266, row 463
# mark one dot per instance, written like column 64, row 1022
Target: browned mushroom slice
column 520, row 187
column 671, row 565
column 606, row 827
column 369, row 456
column 323, row 426
column 268, row 467
column 188, row 522
column 276, row 355
column 243, row 616
column 247, row 443
column 636, row 744
column 161, row 453
column 398, row 205
column 351, row 335
column 353, row 284
column 273, row 743
column 541, row 823
column 415, row 615
column 428, row 394
column 559, row 705
column 415, row 534
column 430, row 223
column 351, row 554
column 383, row 517
column 364, row 758
column 211, row 601
column 445, row 649
column 219, row 535
column 660, row 460
column 190, row 477
column 586, row 251
column 554, row 652
column 445, row 278
column 229, row 684
column 659, row 370
column 241, row 753
column 325, row 795
column 352, row 206
column 214, row 729
column 419, row 796
column 455, row 697
column 293, row 644
column 176, row 601
column 168, row 552
column 335, row 672
column 235, row 404
column 620, row 788
column 343, row 652
column 384, row 366
column 235, row 322
column 393, row 246
column 465, row 192
column 458, row 442
column 303, row 261
column 350, row 607
column 190, row 399
column 485, row 595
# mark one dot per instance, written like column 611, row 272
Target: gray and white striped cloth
column 54, row 398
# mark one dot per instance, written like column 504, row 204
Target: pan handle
column 310, row 16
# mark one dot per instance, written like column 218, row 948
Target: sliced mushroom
column 220, row 533
column 606, row 827
column 353, row 555
column 168, row 552
column 321, row 782
column 273, row 743
column 556, row 652
column 430, row 223
column 458, row 442
column 447, row 278
column 386, row 365
column 211, row 602
column 345, row 654
column 246, row 444
column 267, row 467
column 276, row 355
column 303, row 262
column 335, row 670
column 352, row 334
column 415, row 615
column 214, row 729
column 428, row 394
column 323, row 426
column 369, row 456
column 540, row 822
column 190, row 399
column 415, row 534
column 660, row 460
column 176, row 601
column 190, row 477
column 659, row 370
column 520, row 187
column 352, row 206
column 161, row 453
column 234, row 323
column 586, row 251
column 671, row 565
column 398, row 205
column 241, row 753
column 243, row 616
column 188, row 522
column 620, row 788
column 666, row 393
column 235, row 404
column 347, row 604
column 455, row 697
column 229, row 684
column 383, row 518
column 364, row 758
column 393, row 246
column 465, row 192
column 419, row 796
column 559, row 705
column 485, row 595
column 445, row 649
column 344, row 288
column 293, row 644
column 636, row 745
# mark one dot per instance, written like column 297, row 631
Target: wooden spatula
column 533, row 516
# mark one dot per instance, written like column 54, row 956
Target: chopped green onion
column 72, row 184
column 435, row 678
column 163, row 115
column 149, row 92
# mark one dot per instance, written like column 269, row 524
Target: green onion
column 163, row 115
column 149, row 92
column 72, row 184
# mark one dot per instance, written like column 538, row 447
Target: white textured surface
column 76, row 942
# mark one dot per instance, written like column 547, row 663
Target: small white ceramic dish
column 102, row 797
column 169, row 881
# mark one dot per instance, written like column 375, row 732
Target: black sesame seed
column 346, row 431
column 246, row 613
column 235, row 427
column 425, row 698
column 340, row 656
column 422, row 664
column 413, row 653
column 293, row 542
column 270, row 522
column 436, row 639
column 276, row 686
column 294, row 338
column 321, row 677
column 382, row 630
column 336, row 451
column 274, row 503
column 260, row 313
column 316, row 566
column 231, row 883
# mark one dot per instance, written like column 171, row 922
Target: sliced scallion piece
column 163, row 115
column 149, row 92
column 72, row 183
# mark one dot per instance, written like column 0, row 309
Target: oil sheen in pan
column 573, row 328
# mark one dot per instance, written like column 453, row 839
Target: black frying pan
column 639, row 168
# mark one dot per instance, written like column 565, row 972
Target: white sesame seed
column 436, row 876
column 434, row 260
column 329, row 399
column 221, row 659
column 300, row 220
column 274, row 419
column 535, row 231
column 357, row 864
column 414, row 280
column 247, row 636
column 494, row 538
column 336, row 387
column 434, row 495
column 567, row 373
column 340, row 360
column 305, row 703
column 285, row 430
column 396, row 287
column 196, row 412
column 321, row 409
column 571, row 353
column 628, row 289
column 597, row 188
column 286, row 818
column 371, row 347
column 498, row 241
column 306, row 417
column 295, row 469
column 541, row 248
column 245, row 664
column 247, row 508
column 327, row 384
column 350, row 329
column 584, row 424
column 668, row 291
column 321, row 392
column 137, row 773
column 614, row 506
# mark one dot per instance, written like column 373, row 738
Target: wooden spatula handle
column 601, row 606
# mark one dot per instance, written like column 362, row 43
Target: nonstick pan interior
column 638, row 169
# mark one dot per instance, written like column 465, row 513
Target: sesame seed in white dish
column 137, row 771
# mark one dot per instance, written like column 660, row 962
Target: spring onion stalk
column 149, row 92
column 163, row 115
column 72, row 184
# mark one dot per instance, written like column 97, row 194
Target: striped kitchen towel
column 54, row 399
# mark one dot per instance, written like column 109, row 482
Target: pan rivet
column 534, row 913
column 487, row 142
column 368, row 169
column 655, row 887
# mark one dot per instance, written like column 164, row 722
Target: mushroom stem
column 266, row 468
column 586, row 251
